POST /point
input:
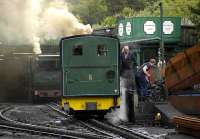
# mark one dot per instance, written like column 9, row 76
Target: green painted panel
column 89, row 55
column 148, row 28
column 90, row 81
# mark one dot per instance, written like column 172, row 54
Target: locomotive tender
column 30, row 78
column 90, row 74
column 46, row 77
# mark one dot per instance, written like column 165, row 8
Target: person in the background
column 143, row 76
column 127, row 83
column 161, row 66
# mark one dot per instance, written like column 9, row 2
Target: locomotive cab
column 90, row 81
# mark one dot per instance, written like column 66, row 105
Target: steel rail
column 43, row 129
column 126, row 133
column 7, row 125
column 90, row 127
column 103, row 128
column 13, row 128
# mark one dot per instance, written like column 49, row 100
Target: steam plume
column 27, row 22
column 57, row 21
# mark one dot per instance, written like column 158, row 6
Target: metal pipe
column 162, row 49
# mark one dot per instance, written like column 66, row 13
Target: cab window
column 77, row 50
column 101, row 50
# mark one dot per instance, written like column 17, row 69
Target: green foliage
column 90, row 11
column 115, row 6
column 148, row 3
column 109, row 21
column 128, row 12
column 105, row 12
column 195, row 10
column 196, row 14
column 170, row 8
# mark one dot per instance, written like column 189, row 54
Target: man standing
column 127, row 63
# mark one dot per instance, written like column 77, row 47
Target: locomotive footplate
column 91, row 106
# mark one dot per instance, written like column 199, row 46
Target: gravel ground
column 157, row 132
column 43, row 115
column 12, row 135
column 180, row 136
column 37, row 114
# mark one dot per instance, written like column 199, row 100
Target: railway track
column 13, row 125
column 121, row 131
column 90, row 127
column 107, row 129
column 187, row 124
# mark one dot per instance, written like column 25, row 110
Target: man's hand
column 148, row 75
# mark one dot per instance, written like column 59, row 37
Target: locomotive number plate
column 91, row 106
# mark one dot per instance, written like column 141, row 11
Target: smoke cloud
column 25, row 22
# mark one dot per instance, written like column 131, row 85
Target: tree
column 115, row 6
column 196, row 17
column 136, row 5
column 128, row 12
column 109, row 21
column 104, row 12
column 90, row 11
